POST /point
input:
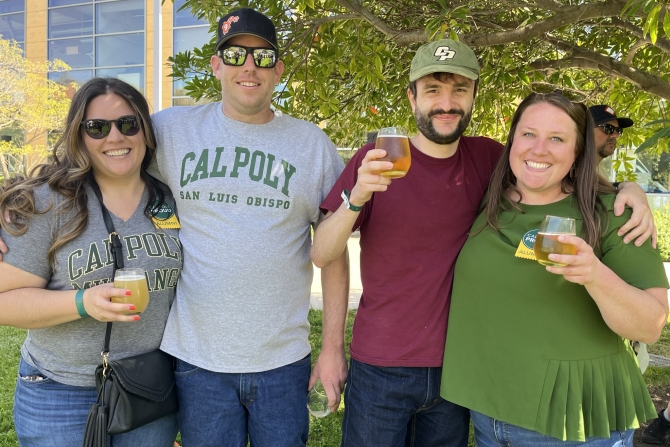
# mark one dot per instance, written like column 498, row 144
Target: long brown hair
column 70, row 169
column 583, row 181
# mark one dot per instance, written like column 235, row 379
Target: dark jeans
column 269, row 408
column 398, row 407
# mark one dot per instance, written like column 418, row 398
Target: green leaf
column 655, row 122
column 651, row 26
column 654, row 139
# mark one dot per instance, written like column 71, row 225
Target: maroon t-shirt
column 411, row 235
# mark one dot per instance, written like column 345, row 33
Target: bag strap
column 117, row 254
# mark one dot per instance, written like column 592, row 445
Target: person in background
column 57, row 279
column 608, row 128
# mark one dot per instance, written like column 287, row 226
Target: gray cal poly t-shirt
column 247, row 195
column 70, row 352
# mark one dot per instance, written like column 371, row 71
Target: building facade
column 127, row 39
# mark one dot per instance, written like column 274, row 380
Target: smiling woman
column 543, row 153
column 114, row 141
column 56, row 280
column 539, row 354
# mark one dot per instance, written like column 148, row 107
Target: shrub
column 346, row 155
column 662, row 221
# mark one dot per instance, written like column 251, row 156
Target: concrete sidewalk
column 355, row 287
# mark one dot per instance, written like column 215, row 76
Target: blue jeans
column 267, row 408
column 493, row 433
column 51, row 414
column 397, row 407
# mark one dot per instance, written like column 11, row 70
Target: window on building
column 98, row 38
column 13, row 21
column 188, row 32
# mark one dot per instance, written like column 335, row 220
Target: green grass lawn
column 10, row 343
column 324, row 432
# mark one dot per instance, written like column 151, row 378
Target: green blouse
column 529, row 348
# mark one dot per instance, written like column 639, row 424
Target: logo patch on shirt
column 164, row 216
column 526, row 245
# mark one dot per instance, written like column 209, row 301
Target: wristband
column 79, row 301
column 347, row 203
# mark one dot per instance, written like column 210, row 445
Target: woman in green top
column 539, row 354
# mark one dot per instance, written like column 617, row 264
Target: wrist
column 331, row 351
column 357, row 198
column 346, row 197
column 79, row 302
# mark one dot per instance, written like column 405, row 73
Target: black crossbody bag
column 133, row 391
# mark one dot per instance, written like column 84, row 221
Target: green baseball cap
column 444, row 56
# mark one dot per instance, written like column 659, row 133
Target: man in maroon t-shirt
column 411, row 234
column 410, row 237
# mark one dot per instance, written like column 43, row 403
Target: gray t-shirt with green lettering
column 70, row 352
column 247, row 195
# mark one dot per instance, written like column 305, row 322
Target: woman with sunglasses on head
column 56, row 280
column 540, row 354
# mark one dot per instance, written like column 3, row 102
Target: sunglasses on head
column 610, row 129
column 568, row 93
column 236, row 55
column 98, row 128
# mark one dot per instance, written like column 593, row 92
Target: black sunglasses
column 236, row 55
column 609, row 129
column 98, row 128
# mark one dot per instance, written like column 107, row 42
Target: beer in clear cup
column 135, row 281
column 395, row 142
column 547, row 242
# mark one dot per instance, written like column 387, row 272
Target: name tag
column 164, row 216
column 526, row 245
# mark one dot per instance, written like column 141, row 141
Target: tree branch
column 633, row 50
column 662, row 43
column 370, row 17
column 589, row 60
column 563, row 17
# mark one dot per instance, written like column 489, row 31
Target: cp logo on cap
column 444, row 53
column 225, row 27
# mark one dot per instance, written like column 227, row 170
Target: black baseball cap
column 603, row 113
column 246, row 21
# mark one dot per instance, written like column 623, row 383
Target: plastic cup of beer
column 546, row 241
column 395, row 142
column 317, row 401
column 135, row 281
